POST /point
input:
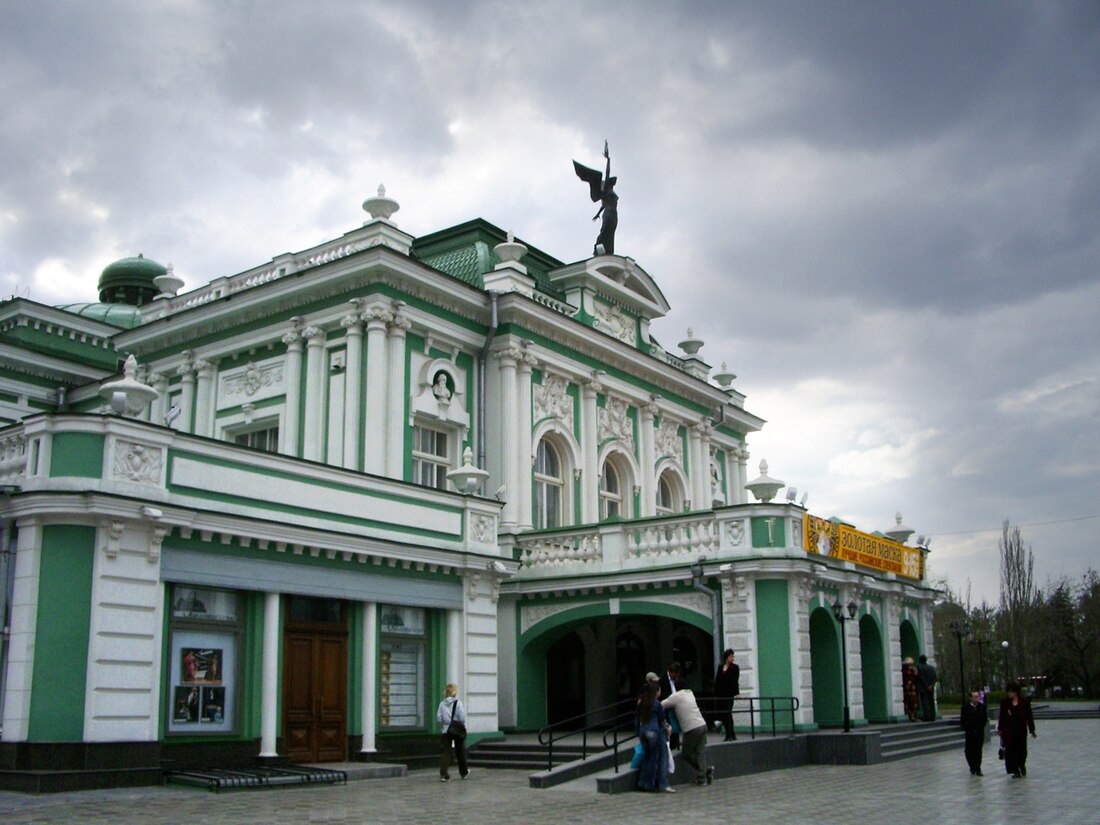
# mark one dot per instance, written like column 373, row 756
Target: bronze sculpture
column 602, row 188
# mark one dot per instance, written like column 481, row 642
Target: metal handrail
column 549, row 734
column 715, row 705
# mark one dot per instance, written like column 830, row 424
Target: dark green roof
column 123, row 316
column 131, row 278
column 466, row 252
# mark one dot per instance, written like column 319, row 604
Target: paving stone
column 1060, row 787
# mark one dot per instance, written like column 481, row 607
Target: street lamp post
column 838, row 611
column 958, row 630
column 1004, row 647
column 981, row 642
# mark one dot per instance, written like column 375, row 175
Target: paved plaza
column 1060, row 787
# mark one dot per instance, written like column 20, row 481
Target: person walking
column 693, row 744
column 652, row 729
column 926, row 685
column 451, row 716
column 727, row 687
column 973, row 718
column 1014, row 723
column 669, row 679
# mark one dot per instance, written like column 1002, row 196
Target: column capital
column 528, row 360
column 353, row 324
column 292, row 339
column 704, row 428
column 651, row 407
column 202, row 367
column 509, row 356
column 399, row 325
column 593, row 384
column 315, row 336
column 377, row 315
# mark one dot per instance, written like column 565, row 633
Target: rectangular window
column 266, row 439
column 203, row 674
column 401, row 662
column 431, row 458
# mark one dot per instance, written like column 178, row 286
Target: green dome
column 125, row 316
column 130, row 281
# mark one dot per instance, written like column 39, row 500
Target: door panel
column 315, row 696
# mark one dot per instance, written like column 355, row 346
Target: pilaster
column 396, row 394
column 353, row 390
column 187, row 393
column 506, row 362
column 523, row 393
column 288, row 431
column 648, row 480
column 315, row 393
column 377, row 316
column 590, row 471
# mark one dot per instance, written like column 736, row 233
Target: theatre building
column 271, row 517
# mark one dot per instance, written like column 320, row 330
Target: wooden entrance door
column 315, row 678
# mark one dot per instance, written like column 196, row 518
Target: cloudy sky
column 884, row 217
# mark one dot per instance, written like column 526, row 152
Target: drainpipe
column 62, row 400
column 715, row 608
column 481, row 451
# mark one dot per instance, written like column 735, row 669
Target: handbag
column 455, row 728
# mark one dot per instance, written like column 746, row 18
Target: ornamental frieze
column 615, row 424
column 252, row 382
column 668, row 441
column 616, row 323
column 552, row 399
column 139, row 463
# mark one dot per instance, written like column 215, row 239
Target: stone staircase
column 522, row 753
column 919, row 738
column 1066, row 711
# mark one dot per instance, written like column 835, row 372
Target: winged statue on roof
column 602, row 188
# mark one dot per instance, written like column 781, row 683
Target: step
column 920, row 749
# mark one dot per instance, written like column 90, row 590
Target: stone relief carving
column 735, row 532
column 796, row 533
column 552, row 400
column 616, row 323
column 252, row 381
column 615, row 424
column 140, row 463
column 668, row 441
column 485, row 529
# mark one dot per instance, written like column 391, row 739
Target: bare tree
column 1018, row 595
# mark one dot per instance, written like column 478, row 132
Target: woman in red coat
column 1014, row 724
column 909, row 688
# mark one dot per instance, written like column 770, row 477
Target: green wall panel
column 760, row 537
column 773, row 637
column 76, row 454
column 61, row 637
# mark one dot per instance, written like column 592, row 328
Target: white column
column 288, row 428
column 705, row 431
column 374, row 448
column 506, row 361
column 187, row 396
column 159, row 407
column 353, row 390
column 315, row 393
column 695, row 458
column 523, row 392
column 455, row 671
column 370, row 674
column 269, row 692
column 590, row 445
column 648, row 481
column 204, row 398
column 742, row 476
column 395, row 396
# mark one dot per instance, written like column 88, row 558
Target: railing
column 715, row 708
column 581, row 546
column 608, row 715
column 693, row 536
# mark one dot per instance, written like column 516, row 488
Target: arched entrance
column 910, row 644
column 565, row 680
column 630, row 664
column 825, row 669
column 874, row 670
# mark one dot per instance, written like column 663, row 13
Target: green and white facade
column 269, row 559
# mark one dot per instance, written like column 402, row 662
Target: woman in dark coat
column 652, row 728
column 727, row 687
column 1014, row 724
column 909, row 688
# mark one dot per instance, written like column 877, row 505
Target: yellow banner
column 839, row 541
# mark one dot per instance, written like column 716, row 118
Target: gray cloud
column 884, row 217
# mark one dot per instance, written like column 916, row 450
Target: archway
column 825, row 669
column 873, row 667
column 565, row 680
column 910, row 644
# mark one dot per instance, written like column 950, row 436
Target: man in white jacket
column 693, row 739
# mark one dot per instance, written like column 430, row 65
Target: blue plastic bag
column 639, row 756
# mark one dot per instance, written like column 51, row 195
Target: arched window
column 669, row 500
column 611, row 492
column 549, row 486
